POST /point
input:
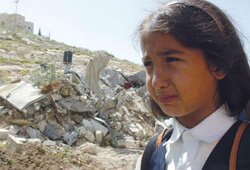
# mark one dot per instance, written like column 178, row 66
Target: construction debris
column 103, row 111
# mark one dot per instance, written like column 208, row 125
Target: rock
column 77, row 118
column 4, row 111
column 42, row 125
column 82, row 131
column 56, row 97
column 65, row 92
column 92, row 125
column 117, row 126
column 134, row 128
column 38, row 116
column 113, row 77
column 109, row 103
column 49, row 143
column 70, row 138
column 120, row 143
column 14, row 129
column 130, row 142
column 77, row 106
column 54, row 132
column 98, row 135
column 4, row 134
column 37, row 106
column 90, row 136
column 138, row 79
column 34, row 133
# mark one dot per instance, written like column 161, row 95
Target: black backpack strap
column 148, row 152
column 154, row 142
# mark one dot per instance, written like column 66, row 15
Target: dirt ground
column 37, row 157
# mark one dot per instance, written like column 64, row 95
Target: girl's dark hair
column 200, row 24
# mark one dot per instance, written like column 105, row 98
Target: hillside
column 22, row 51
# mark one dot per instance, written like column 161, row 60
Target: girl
column 198, row 74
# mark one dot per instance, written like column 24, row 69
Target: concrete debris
column 14, row 144
column 93, row 70
column 49, row 143
column 104, row 113
column 20, row 94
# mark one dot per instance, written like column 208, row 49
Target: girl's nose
column 160, row 78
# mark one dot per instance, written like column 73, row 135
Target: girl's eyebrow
column 169, row 52
column 164, row 53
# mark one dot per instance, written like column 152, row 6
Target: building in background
column 15, row 20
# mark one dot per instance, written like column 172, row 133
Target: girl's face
column 178, row 78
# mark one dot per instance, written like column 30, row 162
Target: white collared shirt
column 188, row 149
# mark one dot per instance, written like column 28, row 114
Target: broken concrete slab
column 93, row 69
column 20, row 94
column 4, row 134
column 113, row 77
column 14, row 144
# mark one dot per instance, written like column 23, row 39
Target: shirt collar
column 209, row 130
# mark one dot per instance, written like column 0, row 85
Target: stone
column 88, row 125
column 99, row 126
column 130, row 142
column 139, row 79
column 109, row 103
column 49, row 143
column 4, row 111
column 89, row 136
column 37, row 106
column 113, row 77
column 34, row 133
column 54, row 132
column 70, row 137
column 14, row 129
column 56, row 97
column 38, row 116
column 4, row 134
column 82, row 131
column 42, row 125
column 76, row 105
column 76, row 118
column 117, row 126
column 120, row 143
column 98, row 136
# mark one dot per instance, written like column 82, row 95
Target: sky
column 109, row 25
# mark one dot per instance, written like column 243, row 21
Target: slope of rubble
column 91, row 114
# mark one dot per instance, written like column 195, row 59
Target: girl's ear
column 218, row 73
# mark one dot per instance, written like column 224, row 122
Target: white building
column 13, row 20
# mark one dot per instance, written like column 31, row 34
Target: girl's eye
column 171, row 59
column 147, row 63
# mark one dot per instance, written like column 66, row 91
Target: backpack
column 153, row 157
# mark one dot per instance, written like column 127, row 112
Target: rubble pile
column 69, row 112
